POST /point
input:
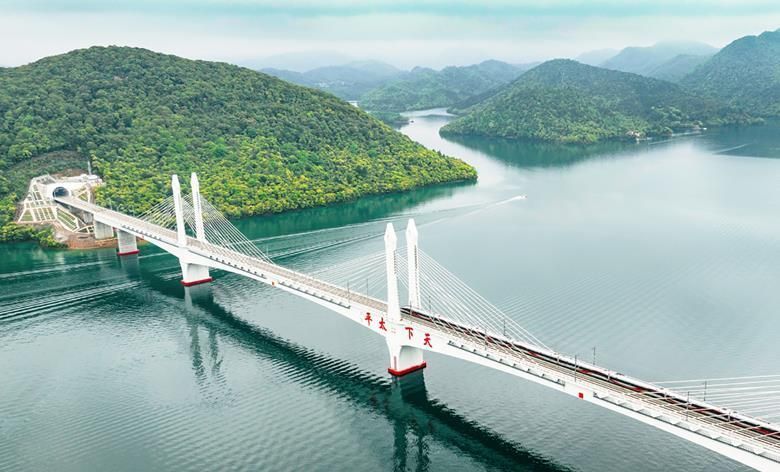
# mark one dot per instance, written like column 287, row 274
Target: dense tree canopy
column 565, row 101
column 258, row 143
column 745, row 73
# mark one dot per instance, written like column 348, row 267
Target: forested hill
column 563, row 100
column 744, row 73
column 259, row 144
column 427, row 88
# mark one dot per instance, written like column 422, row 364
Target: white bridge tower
column 405, row 357
column 192, row 273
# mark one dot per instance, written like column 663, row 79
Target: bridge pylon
column 404, row 358
column 192, row 273
column 197, row 207
column 413, row 262
column 391, row 244
column 181, row 232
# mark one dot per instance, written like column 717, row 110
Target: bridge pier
column 404, row 359
column 103, row 231
column 126, row 243
column 193, row 274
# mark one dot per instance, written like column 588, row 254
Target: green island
column 259, row 144
column 565, row 101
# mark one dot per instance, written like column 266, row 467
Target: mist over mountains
column 382, row 87
column 644, row 60
column 348, row 81
column 606, row 94
column 571, row 102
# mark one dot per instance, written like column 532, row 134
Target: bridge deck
column 732, row 425
column 708, row 420
column 230, row 257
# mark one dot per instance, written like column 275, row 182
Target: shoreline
column 80, row 241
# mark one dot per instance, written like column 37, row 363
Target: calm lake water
column 664, row 256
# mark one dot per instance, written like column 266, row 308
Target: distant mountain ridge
column 643, row 60
column 745, row 73
column 425, row 88
column 563, row 100
column 348, row 81
column 677, row 67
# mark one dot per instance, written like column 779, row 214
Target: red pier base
column 196, row 282
column 128, row 253
column 408, row 370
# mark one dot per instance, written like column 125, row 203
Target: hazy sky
column 405, row 33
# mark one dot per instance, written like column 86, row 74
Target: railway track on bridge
column 732, row 425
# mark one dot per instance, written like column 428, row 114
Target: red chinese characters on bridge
column 382, row 324
column 427, row 340
column 410, row 331
column 368, row 319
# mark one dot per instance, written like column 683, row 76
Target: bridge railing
column 285, row 276
column 229, row 256
column 731, row 427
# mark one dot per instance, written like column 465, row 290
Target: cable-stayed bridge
column 735, row 417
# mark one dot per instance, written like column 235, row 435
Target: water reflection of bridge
column 414, row 417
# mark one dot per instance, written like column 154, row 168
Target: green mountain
column 427, row 88
column 259, row 144
column 349, row 81
column 643, row 60
column 677, row 67
column 565, row 101
column 745, row 73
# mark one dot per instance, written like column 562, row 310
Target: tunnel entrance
column 61, row 192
